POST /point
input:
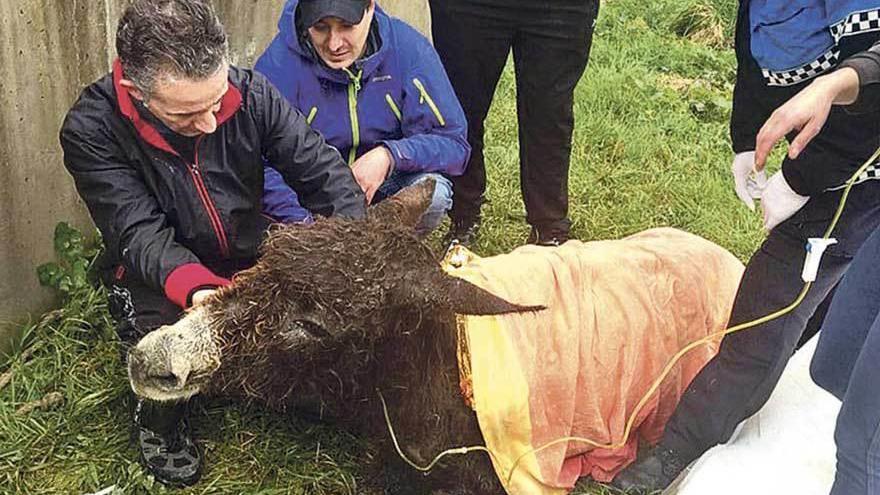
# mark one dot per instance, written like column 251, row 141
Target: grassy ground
column 651, row 149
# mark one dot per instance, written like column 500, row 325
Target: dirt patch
column 680, row 83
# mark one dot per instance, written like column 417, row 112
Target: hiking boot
column 547, row 237
column 165, row 445
column 652, row 473
column 463, row 230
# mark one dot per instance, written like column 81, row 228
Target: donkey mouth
column 164, row 392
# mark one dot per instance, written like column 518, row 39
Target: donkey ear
column 406, row 207
column 455, row 294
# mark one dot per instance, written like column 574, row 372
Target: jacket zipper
column 425, row 97
column 312, row 113
column 394, row 109
column 354, row 88
column 216, row 224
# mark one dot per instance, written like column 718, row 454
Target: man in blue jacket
column 376, row 90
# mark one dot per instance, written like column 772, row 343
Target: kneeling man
column 376, row 90
column 167, row 152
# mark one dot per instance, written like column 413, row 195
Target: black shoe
column 464, row 230
column 547, row 237
column 652, row 473
column 165, row 443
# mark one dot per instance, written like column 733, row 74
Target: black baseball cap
column 312, row 11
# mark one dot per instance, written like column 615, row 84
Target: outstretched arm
column 806, row 113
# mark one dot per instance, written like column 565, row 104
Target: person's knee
column 819, row 372
column 442, row 199
column 824, row 375
column 441, row 203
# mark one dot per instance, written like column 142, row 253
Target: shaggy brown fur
column 334, row 312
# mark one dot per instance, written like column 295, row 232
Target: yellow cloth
column 617, row 312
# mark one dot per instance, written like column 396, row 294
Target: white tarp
column 787, row 448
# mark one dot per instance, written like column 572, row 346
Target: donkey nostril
column 166, row 380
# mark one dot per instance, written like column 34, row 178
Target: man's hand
column 747, row 182
column 371, row 170
column 779, row 201
column 200, row 296
column 806, row 113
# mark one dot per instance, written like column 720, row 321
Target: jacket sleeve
column 749, row 112
column 313, row 168
column 134, row 228
column 867, row 66
column 850, row 134
column 432, row 120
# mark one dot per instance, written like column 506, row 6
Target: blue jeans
column 847, row 364
column 286, row 207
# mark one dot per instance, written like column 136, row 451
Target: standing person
column 551, row 43
column 375, row 89
column 167, row 153
column 780, row 47
column 845, row 362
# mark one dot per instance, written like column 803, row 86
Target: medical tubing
column 659, row 380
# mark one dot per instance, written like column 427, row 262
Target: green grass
column 650, row 149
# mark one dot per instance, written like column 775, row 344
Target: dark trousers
column 847, row 364
column 738, row 381
column 551, row 45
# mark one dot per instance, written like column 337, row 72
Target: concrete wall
column 415, row 12
column 50, row 50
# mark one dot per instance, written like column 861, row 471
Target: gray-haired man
column 167, row 151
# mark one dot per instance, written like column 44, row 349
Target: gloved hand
column 748, row 182
column 779, row 201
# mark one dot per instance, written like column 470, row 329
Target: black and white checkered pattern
column 804, row 73
column 856, row 23
column 871, row 173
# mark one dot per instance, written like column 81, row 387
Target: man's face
column 188, row 107
column 339, row 43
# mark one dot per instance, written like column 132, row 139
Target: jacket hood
column 287, row 31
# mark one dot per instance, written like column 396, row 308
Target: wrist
column 841, row 87
column 390, row 160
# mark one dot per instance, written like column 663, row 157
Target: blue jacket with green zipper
column 399, row 96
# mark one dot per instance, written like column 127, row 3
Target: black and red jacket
column 179, row 222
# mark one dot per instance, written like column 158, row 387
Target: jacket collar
column 230, row 104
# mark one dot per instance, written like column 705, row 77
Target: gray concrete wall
column 50, row 50
column 415, row 12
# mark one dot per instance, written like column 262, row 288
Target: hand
column 200, row 296
column 779, row 201
column 747, row 182
column 806, row 113
column 371, row 170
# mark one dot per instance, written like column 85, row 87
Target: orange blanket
column 617, row 312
